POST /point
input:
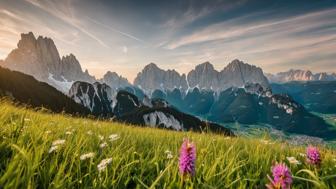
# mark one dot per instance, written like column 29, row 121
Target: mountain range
column 239, row 93
column 203, row 76
column 40, row 58
column 300, row 75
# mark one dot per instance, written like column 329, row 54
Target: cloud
column 115, row 30
column 231, row 30
column 125, row 49
column 66, row 16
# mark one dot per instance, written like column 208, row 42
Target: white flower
column 265, row 141
column 302, row 154
column 58, row 142
column 103, row 164
column 101, row 137
column 293, row 160
column 68, row 133
column 114, row 137
column 103, row 145
column 169, row 154
column 87, row 156
column 89, row 132
column 53, row 148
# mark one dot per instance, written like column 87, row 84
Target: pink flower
column 187, row 158
column 282, row 177
column 313, row 155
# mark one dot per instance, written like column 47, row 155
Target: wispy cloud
column 231, row 30
column 65, row 16
column 115, row 30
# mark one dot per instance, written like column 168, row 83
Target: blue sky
column 125, row 35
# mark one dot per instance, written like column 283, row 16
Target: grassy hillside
column 139, row 156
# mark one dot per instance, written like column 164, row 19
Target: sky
column 125, row 35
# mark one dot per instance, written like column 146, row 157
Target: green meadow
column 40, row 149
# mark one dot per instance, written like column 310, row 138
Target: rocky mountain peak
column 152, row 77
column 114, row 80
column 27, row 41
column 151, row 66
column 40, row 58
column 205, row 66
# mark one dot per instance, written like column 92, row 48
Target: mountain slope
column 26, row 89
column 317, row 96
column 126, row 107
column 250, row 105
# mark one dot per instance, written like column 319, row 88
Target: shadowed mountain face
column 317, row 96
column 27, row 90
column 249, row 105
column 126, row 107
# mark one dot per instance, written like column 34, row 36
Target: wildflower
column 282, row 177
column 103, row 164
column 103, row 145
column 87, row 156
column 265, row 141
column 169, row 154
column 55, row 145
column 27, row 119
column 114, row 137
column 313, row 155
column 101, row 137
column 52, row 149
column 47, row 132
column 89, row 132
column 187, row 158
column 68, row 133
column 302, row 154
column 293, row 160
column 58, row 142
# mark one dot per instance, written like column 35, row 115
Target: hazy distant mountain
column 204, row 76
column 152, row 77
column 27, row 90
column 300, row 75
column 114, row 80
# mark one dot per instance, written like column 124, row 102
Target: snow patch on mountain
column 64, row 86
column 159, row 118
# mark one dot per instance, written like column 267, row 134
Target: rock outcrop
column 152, row 77
column 114, row 80
column 39, row 57
column 204, row 77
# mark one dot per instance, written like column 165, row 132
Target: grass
column 138, row 156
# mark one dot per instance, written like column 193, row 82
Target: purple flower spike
column 313, row 155
column 187, row 158
column 282, row 177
